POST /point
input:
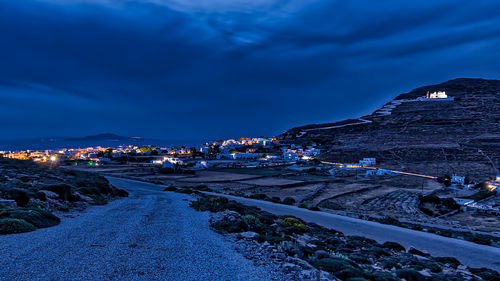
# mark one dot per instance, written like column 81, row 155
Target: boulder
column 249, row 235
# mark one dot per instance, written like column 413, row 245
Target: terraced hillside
column 432, row 137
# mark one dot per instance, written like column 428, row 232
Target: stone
column 249, row 235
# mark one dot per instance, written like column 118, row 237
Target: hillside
column 434, row 137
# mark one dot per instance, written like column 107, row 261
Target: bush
column 10, row 226
column 213, row 204
column 448, row 260
column 289, row 201
column 99, row 200
column 230, row 226
column 410, row 275
column 170, row 188
column 37, row 217
column 341, row 268
column 293, row 222
column 62, row 190
column 20, row 196
column 382, row 276
column 486, row 273
column 394, row 246
column 271, row 239
column 259, row 196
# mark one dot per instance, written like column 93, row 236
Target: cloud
column 210, row 69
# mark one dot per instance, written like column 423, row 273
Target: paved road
column 152, row 235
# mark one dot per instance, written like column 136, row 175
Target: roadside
column 151, row 235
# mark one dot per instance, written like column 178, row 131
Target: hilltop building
column 436, row 96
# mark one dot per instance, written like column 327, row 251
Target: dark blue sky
column 205, row 69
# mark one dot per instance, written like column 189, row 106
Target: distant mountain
column 436, row 137
column 106, row 137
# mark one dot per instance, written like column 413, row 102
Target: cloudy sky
column 206, row 69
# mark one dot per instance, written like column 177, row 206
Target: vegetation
column 10, row 226
column 39, row 189
column 346, row 257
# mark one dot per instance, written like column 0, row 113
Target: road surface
column 152, row 235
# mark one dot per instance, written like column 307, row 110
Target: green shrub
column 341, row 268
column 394, row 246
column 382, row 276
column 213, row 204
column 230, row 226
column 289, row 201
column 10, row 226
column 185, row 191
column 485, row 273
column 19, row 195
column 170, row 188
column 37, row 217
column 294, row 222
column 99, row 200
column 259, row 196
column 410, row 275
column 453, row 262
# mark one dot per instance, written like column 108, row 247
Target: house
column 457, row 180
column 290, row 156
column 368, row 161
column 381, row 172
column 436, row 96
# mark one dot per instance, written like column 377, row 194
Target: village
column 264, row 168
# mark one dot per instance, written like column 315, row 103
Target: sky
column 214, row 69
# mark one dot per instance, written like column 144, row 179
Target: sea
column 54, row 144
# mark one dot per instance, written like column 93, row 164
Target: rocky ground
column 30, row 193
column 433, row 137
column 307, row 251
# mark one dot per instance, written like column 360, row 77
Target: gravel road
column 152, row 235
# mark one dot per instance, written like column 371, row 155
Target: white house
column 368, row 161
column 290, row 156
column 200, row 165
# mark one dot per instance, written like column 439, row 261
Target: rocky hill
column 460, row 136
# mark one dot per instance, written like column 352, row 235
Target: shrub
column 20, row 196
column 37, row 217
column 99, row 200
column 393, row 246
column 184, row 191
column 485, row 273
column 341, row 268
column 296, row 223
column 230, row 226
column 62, row 190
column 170, row 188
column 259, row 196
column 448, row 260
column 289, row 201
column 382, row 276
column 410, row 275
column 10, row 226
column 213, row 204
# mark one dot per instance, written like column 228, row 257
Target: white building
column 368, row 161
column 290, row 156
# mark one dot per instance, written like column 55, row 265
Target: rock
column 8, row 203
column 49, row 194
column 231, row 216
column 414, row 251
column 249, row 235
column 292, row 249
